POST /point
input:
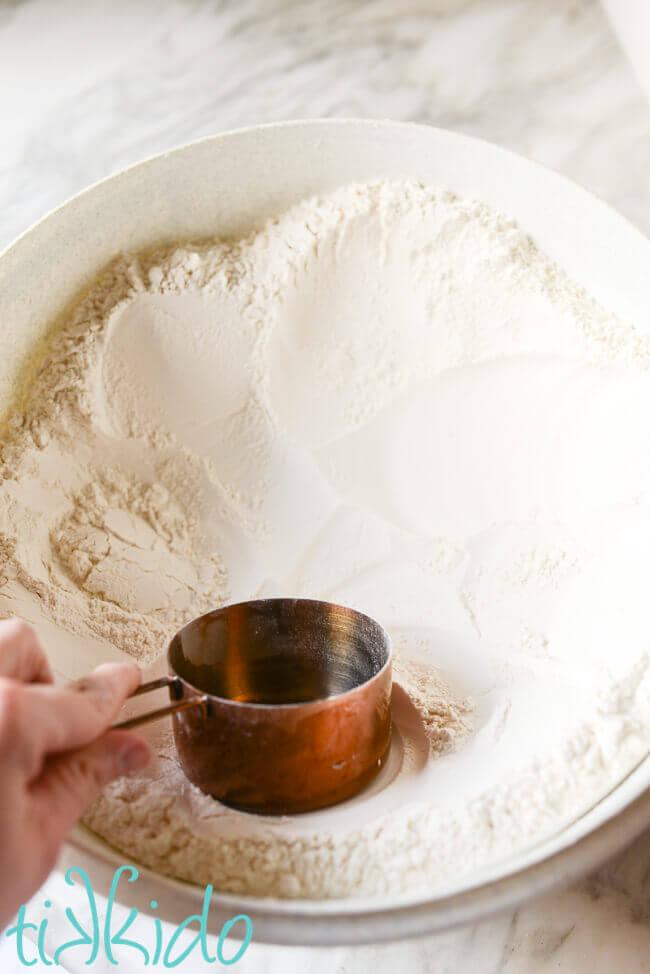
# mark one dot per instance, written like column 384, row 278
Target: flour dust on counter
column 386, row 397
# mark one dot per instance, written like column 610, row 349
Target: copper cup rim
column 318, row 703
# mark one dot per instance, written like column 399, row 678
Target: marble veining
column 87, row 87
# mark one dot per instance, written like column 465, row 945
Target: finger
column 70, row 782
column 39, row 720
column 21, row 655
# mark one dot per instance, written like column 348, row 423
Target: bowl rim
column 317, row 122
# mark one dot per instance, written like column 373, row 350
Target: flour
column 386, row 398
column 446, row 719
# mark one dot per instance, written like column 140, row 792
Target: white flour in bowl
column 386, row 398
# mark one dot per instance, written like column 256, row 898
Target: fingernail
column 134, row 757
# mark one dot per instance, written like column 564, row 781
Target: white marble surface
column 88, row 87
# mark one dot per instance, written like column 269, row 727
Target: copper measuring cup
column 279, row 705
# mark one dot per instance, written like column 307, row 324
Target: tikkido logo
column 147, row 952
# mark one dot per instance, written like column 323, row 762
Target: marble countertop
column 88, row 87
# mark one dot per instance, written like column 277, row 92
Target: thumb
column 70, row 782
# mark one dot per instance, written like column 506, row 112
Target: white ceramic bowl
column 228, row 185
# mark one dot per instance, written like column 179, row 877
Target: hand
column 57, row 754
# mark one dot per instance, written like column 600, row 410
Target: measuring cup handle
column 164, row 681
